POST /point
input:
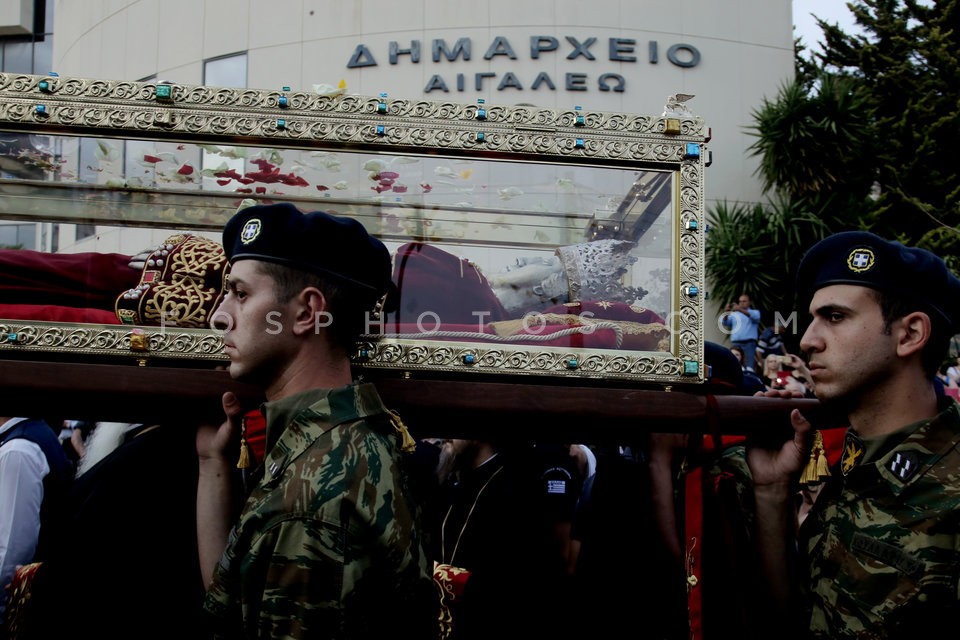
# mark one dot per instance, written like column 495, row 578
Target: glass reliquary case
column 526, row 240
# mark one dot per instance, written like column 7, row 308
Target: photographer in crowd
column 742, row 322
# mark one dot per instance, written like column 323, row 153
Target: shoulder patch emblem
column 852, row 452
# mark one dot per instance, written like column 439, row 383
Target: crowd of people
column 349, row 527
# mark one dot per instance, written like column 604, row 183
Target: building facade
column 603, row 55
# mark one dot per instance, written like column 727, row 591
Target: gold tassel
column 245, row 454
column 818, row 467
column 823, row 465
column 408, row 444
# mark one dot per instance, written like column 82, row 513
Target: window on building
column 26, row 53
column 226, row 71
column 30, row 52
column 18, row 236
column 85, row 231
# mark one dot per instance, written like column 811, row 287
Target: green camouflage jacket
column 327, row 545
column 882, row 543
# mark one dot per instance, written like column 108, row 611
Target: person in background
column 799, row 373
column 771, row 342
column 649, row 509
column 34, row 475
column 943, row 376
column 743, row 323
column 122, row 561
column 738, row 354
column 752, row 382
column 497, row 559
column 563, row 469
column 328, row 543
column 74, row 437
column 953, row 374
column 772, row 365
column 782, row 373
column 876, row 555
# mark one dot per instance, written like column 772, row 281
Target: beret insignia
column 250, row 231
column 861, row 260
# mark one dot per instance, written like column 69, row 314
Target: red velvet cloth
column 451, row 582
column 81, row 280
column 433, row 281
column 56, row 313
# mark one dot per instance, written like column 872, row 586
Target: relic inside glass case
column 525, row 240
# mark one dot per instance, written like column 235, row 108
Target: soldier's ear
column 309, row 304
column 913, row 333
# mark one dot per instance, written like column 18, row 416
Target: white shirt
column 591, row 460
column 954, row 374
column 22, row 470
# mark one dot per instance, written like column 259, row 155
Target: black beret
column 316, row 242
column 865, row 259
column 724, row 373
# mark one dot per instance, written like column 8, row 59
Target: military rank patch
column 904, row 464
column 852, row 452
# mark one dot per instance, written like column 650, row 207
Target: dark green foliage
column 746, row 243
column 811, row 144
column 865, row 137
column 910, row 72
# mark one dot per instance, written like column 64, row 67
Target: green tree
column 862, row 138
column 745, row 244
column 815, row 144
column 907, row 64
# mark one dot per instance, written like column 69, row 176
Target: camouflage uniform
column 882, row 542
column 327, row 544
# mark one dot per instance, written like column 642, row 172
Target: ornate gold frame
column 284, row 119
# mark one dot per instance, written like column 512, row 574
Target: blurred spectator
column 625, row 539
column 491, row 532
column 752, row 383
column 74, row 436
column 771, row 342
column 787, row 372
column 125, row 564
column 743, row 323
column 799, row 372
column 34, row 474
column 737, row 352
column 953, row 374
column 943, row 376
column 563, row 469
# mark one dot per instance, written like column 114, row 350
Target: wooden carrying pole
column 434, row 408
